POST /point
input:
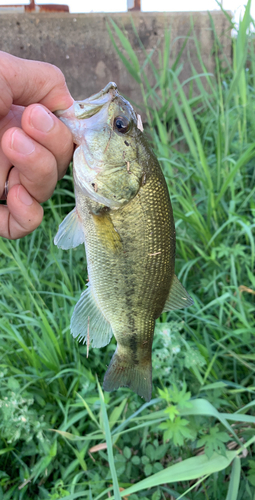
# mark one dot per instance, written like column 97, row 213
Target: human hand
column 32, row 140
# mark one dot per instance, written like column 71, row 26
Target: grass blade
column 187, row 470
column 108, row 438
column 234, row 480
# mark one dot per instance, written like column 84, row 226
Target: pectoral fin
column 178, row 298
column 106, row 232
column 88, row 322
column 70, row 232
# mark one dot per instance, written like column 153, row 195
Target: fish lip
column 66, row 113
column 111, row 88
column 89, row 107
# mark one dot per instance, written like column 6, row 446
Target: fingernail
column 21, row 143
column 24, row 196
column 41, row 119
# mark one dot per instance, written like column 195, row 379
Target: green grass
column 195, row 439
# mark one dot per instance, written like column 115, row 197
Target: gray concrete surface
column 79, row 44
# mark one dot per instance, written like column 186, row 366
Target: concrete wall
column 79, row 44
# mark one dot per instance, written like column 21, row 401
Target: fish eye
column 122, row 124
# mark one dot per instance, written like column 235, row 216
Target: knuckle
column 58, row 73
column 58, row 76
column 48, row 168
column 52, row 70
column 22, row 220
column 66, row 145
column 32, row 219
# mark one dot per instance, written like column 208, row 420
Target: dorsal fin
column 178, row 298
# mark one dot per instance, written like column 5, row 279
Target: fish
column 123, row 215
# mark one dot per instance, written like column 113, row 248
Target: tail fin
column 123, row 373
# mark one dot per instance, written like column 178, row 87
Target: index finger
column 24, row 82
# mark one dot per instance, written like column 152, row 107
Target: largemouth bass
column 124, row 216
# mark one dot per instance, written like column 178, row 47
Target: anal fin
column 178, row 298
column 88, row 322
column 123, row 373
column 70, row 232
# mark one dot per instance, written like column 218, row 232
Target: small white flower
column 176, row 349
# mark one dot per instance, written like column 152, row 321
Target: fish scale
column 124, row 216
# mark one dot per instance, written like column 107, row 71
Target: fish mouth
column 87, row 110
column 92, row 105
column 88, row 113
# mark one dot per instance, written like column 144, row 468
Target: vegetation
column 60, row 436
